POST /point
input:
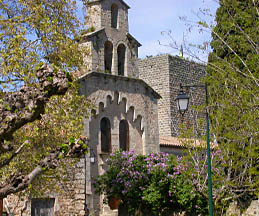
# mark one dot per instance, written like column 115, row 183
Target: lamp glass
column 92, row 160
column 182, row 104
column 182, row 101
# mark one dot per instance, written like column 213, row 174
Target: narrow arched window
column 108, row 49
column 121, row 59
column 124, row 135
column 114, row 16
column 106, row 135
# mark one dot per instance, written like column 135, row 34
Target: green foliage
column 32, row 33
column 35, row 31
column 233, row 80
column 155, row 182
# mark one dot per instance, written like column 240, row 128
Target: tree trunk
column 1, row 207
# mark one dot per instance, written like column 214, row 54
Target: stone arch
column 105, row 128
column 141, row 123
column 114, row 16
column 124, row 135
column 109, row 100
column 131, row 112
column 108, row 55
column 121, row 55
column 93, row 113
column 101, row 107
column 124, row 102
column 117, row 97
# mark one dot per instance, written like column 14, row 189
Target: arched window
column 106, row 135
column 114, row 16
column 108, row 49
column 121, row 59
column 124, row 135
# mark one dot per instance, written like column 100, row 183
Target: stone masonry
column 119, row 98
column 69, row 202
column 111, row 81
column 165, row 73
column 99, row 20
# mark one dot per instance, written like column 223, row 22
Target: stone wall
column 119, row 98
column 69, row 201
column 155, row 71
column 252, row 210
column 164, row 73
column 99, row 17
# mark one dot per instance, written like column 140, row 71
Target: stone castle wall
column 155, row 71
column 164, row 73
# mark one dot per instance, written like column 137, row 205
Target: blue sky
column 148, row 18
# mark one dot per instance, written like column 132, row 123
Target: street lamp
column 92, row 156
column 182, row 101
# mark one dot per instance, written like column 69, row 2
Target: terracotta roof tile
column 181, row 142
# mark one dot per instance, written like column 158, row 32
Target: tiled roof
column 167, row 141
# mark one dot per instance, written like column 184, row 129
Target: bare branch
column 10, row 80
column 19, row 182
column 238, row 56
column 7, row 161
column 28, row 104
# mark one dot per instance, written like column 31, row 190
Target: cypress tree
column 233, row 79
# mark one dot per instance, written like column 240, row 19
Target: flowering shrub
column 156, row 182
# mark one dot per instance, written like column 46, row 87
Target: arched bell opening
column 121, row 51
column 108, row 49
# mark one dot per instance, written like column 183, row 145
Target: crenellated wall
column 119, row 98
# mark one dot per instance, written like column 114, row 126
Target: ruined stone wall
column 165, row 73
column 252, row 210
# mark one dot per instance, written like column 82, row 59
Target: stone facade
column 165, row 73
column 119, row 98
column 99, row 20
column 110, row 81
column 69, row 202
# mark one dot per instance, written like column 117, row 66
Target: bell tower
column 112, row 49
column 108, row 14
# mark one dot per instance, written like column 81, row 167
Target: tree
column 40, row 116
column 154, row 184
column 233, row 79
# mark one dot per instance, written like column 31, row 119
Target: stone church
column 134, row 108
